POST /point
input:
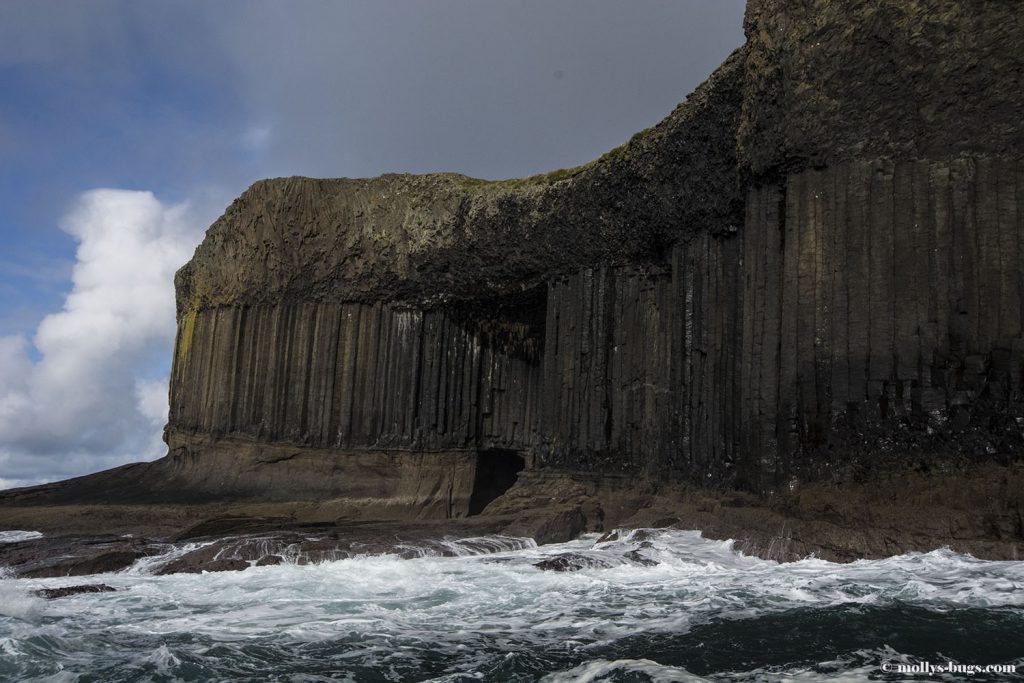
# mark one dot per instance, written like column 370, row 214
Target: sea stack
column 791, row 313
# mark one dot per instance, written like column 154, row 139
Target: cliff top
column 430, row 239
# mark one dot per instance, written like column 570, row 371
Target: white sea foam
column 145, row 566
column 17, row 603
column 466, row 614
column 14, row 536
column 600, row 670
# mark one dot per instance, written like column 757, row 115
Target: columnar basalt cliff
column 446, row 314
column 797, row 294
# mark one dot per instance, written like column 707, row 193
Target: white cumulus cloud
column 94, row 393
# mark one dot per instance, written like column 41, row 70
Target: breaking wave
column 650, row 605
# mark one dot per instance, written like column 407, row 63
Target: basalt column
column 639, row 366
column 883, row 295
column 882, row 260
column 351, row 376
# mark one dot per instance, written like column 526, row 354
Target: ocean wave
column 487, row 609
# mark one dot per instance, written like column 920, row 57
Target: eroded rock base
column 856, row 514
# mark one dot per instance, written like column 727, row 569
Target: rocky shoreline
column 979, row 511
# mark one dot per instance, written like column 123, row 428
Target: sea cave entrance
column 496, row 470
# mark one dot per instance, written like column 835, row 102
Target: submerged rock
column 65, row 591
column 571, row 562
column 635, row 557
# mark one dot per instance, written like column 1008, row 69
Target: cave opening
column 496, row 470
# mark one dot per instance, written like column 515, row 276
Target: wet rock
column 233, row 526
column 635, row 557
column 570, row 562
column 231, row 554
column 557, row 525
column 65, row 591
column 106, row 562
column 316, row 543
column 74, row 556
column 665, row 522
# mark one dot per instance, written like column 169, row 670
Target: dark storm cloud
column 493, row 89
column 188, row 102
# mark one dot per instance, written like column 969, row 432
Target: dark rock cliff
column 830, row 81
column 805, row 281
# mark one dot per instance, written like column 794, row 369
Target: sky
column 127, row 126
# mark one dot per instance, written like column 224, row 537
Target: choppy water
column 703, row 612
